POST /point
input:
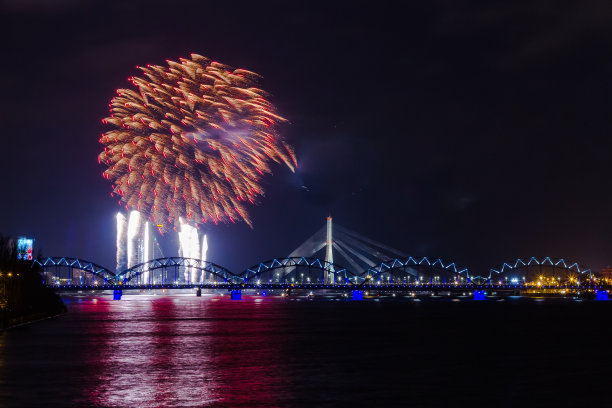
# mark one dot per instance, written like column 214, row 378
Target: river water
column 182, row 350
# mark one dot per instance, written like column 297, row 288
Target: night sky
column 477, row 132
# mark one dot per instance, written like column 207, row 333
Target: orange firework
column 192, row 141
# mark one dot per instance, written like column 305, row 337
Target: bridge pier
column 117, row 294
column 479, row 295
column 236, row 295
column 358, row 295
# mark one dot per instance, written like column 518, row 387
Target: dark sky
column 478, row 132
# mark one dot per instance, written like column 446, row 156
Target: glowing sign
column 25, row 248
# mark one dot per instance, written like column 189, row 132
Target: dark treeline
column 23, row 297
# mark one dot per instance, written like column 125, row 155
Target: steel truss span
column 415, row 270
column 311, row 271
column 58, row 271
column 548, row 271
column 176, row 270
column 298, row 270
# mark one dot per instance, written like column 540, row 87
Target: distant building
column 606, row 273
column 25, row 248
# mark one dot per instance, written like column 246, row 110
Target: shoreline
column 25, row 320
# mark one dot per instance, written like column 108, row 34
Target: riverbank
column 38, row 303
column 7, row 323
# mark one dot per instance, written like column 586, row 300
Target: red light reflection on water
column 183, row 351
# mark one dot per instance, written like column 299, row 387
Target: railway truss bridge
column 312, row 274
column 314, row 265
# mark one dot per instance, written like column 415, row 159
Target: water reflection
column 178, row 351
column 148, row 351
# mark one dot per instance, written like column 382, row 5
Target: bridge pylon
column 329, row 253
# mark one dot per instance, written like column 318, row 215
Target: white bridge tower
column 329, row 253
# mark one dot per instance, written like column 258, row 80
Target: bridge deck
column 342, row 288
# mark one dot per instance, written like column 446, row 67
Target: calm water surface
column 180, row 351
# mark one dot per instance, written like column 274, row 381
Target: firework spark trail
column 133, row 230
column 121, row 242
column 193, row 141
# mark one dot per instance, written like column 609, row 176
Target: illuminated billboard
column 25, row 248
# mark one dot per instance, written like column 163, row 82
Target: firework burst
column 192, row 141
